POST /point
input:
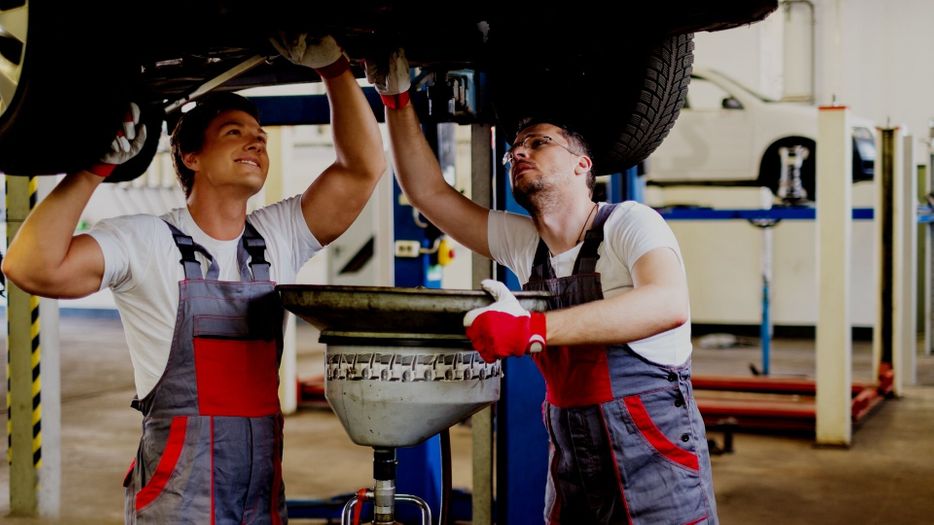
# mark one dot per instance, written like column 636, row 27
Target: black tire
column 660, row 99
column 71, row 92
column 624, row 104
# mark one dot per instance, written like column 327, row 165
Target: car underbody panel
column 590, row 63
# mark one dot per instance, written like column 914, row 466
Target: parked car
column 727, row 134
column 68, row 69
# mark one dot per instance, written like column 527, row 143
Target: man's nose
column 257, row 144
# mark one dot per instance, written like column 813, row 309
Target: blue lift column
column 626, row 186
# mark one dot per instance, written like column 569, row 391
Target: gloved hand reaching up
column 128, row 142
column 504, row 328
column 323, row 54
column 390, row 76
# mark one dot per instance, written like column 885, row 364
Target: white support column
column 834, row 229
column 50, row 472
column 929, row 253
column 904, row 346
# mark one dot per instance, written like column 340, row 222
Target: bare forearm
column 356, row 134
column 415, row 164
column 420, row 177
column 638, row 314
column 43, row 241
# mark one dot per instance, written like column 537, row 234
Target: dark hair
column 188, row 135
column 575, row 139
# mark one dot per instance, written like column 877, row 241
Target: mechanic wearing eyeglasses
column 195, row 290
column 628, row 444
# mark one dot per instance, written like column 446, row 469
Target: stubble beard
column 534, row 197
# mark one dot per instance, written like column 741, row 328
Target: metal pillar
column 903, row 222
column 895, row 343
column 834, row 231
column 929, row 253
column 33, row 382
column 635, row 185
column 766, row 328
column 626, row 186
column 906, row 367
column 482, row 169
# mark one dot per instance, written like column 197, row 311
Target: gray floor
column 887, row 476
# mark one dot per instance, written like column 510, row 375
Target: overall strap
column 250, row 255
column 541, row 264
column 187, row 246
column 587, row 258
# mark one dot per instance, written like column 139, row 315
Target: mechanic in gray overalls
column 195, row 290
column 628, row 444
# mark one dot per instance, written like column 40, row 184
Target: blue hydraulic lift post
column 625, row 186
column 635, row 186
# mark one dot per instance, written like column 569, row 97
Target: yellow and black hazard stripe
column 36, row 355
column 35, row 361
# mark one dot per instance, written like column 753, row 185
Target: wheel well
column 770, row 166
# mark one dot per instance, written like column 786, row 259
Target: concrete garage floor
column 887, row 476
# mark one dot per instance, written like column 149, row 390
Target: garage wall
column 872, row 56
column 886, row 56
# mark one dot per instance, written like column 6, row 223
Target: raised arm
column 46, row 258
column 415, row 164
column 334, row 200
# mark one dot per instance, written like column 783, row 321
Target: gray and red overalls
column 627, row 441
column 211, row 447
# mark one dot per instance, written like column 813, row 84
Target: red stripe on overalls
column 173, row 449
column 655, row 436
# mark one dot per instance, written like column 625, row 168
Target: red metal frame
column 769, row 403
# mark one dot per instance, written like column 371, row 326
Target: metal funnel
column 399, row 368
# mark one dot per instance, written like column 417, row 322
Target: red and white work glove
column 323, row 54
column 128, row 142
column 391, row 78
column 504, row 328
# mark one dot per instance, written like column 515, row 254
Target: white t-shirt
column 141, row 266
column 629, row 233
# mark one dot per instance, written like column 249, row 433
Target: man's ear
column 584, row 165
column 191, row 161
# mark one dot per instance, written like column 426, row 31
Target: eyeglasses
column 533, row 143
